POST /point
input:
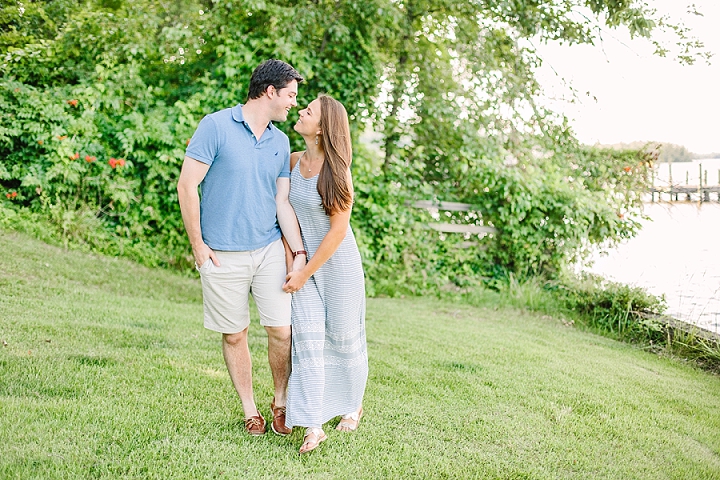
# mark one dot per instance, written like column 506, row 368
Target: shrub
column 97, row 110
column 614, row 308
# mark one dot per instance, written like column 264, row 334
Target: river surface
column 676, row 253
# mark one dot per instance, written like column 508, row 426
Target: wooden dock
column 677, row 192
column 686, row 192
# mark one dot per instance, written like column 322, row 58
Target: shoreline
column 673, row 255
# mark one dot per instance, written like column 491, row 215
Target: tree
column 461, row 121
column 449, row 84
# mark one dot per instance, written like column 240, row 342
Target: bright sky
column 639, row 96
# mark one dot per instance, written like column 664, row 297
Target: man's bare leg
column 279, row 358
column 239, row 364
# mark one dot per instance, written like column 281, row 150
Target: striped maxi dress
column 329, row 353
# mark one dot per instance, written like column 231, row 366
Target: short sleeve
column 285, row 172
column 204, row 143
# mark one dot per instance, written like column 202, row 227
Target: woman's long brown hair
column 333, row 182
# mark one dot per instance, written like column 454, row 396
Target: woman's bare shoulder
column 294, row 157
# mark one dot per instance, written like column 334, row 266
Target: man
column 241, row 162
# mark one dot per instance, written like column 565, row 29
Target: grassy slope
column 108, row 372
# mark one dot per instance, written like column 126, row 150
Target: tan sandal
column 350, row 422
column 309, row 443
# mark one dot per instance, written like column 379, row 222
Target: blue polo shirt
column 237, row 206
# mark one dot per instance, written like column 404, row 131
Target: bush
column 99, row 106
column 99, row 103
column 401, row 255
column 614, row 308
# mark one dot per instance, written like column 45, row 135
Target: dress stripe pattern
column 329, row 352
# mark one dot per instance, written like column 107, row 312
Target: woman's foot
column 350, row 422
column 314, row 436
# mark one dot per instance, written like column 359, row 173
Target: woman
column 329, row 354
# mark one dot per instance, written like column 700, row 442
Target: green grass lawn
column 108, row 372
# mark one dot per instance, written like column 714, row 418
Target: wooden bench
column 454, row 227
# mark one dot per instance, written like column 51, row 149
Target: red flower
column 627, row 169
column 121, row 162
column 11, row 195
column 75, row 157
column 62, row 137
column 112, row 162
column 89, row 159
column 72, row 102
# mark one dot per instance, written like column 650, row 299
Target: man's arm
column 288, row 221
column 193, row 172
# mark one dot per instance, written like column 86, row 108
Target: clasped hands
column 296, row 278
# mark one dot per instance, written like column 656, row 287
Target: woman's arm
column 339, row 224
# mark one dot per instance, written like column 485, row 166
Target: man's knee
column 279, row 334
column 235, row 339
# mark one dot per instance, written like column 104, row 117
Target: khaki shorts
column 226, row 289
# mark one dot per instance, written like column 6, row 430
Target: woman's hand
column 294, row 281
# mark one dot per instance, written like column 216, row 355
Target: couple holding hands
column 275, row 224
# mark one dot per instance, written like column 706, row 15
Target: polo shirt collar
column 237, row 115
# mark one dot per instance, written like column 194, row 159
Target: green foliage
column 674, row 153
column 668, row 152
column 462, row 123
column 100, row 152
column 615, row 308
column 23, row 23
column 548, row 213
column 98, row 111
column 695, row 344
column 100, row 98
column 402, row 256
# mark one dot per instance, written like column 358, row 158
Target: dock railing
column 674, row 190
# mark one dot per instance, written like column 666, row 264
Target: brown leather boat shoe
column 278, row 422
column 255, row 425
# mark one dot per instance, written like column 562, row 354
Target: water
column 677, row 253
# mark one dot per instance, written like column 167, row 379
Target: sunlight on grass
column 108, row 373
